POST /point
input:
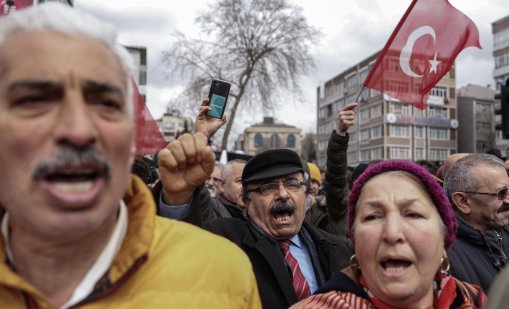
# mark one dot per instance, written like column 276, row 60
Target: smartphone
column 218, row 95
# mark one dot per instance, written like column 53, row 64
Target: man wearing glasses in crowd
column 478, row 186
column 274, row 235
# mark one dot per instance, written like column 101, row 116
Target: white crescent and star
column 406, row 52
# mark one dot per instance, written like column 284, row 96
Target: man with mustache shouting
column 291, row 259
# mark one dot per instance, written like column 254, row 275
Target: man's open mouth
column 282, row 212
column 282, row 216
column 73, row 179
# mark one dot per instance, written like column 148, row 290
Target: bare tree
column 260, row 46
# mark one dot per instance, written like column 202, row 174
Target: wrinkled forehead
column 50, row 55
column 385, row 177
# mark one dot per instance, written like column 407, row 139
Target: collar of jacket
column 133, row 253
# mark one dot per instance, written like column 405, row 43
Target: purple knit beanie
column 434, row 189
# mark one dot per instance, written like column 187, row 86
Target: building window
column 363, row 74
column 376, row 110
column 439, row 133
column 290, row 141
column 502, row 60
column 376, row 132
column 483, row 126
column 438, row 112
column 364, row 115
column 420, row 132
column 439, row 154
column 400, row 109
column 365, row 155
column 400, row 153
column 398, row 130
column 438, row 91
column 352, row 156
column 419, row 112
column 258, row 140
column 351, row 80
column 353, row 138
column 419, row 154
column 482, row 107
column 339, row 88
column 274, row 140
column 376, row 154
column 481, row 146
column 365, row 135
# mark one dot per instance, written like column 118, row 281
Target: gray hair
column 459, row 177
column 64, row 19
column 227, row 167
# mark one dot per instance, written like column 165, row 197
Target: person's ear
column 460, row 200
column 246, row 200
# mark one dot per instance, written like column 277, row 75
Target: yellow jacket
column 163, row 263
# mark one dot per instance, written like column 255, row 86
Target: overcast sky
column 353, row 30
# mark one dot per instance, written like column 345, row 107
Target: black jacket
column 477, row 257
column 331, row 218
column 271, row 271
column 234, row 211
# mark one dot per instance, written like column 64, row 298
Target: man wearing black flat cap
column 274, row 236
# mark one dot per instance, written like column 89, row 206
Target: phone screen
column 217, row 105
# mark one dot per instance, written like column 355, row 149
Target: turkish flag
column 147, row 138
column 421, row 50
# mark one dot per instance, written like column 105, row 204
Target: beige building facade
column 269, row 135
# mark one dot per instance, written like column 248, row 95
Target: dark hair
column 429, row 165
column 496, row 152
column 357, row 171
column 144, row 168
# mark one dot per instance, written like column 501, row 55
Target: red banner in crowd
column 421, row 50
column 148, row 138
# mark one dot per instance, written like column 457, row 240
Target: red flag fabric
column 148, row 138
column 421, row 50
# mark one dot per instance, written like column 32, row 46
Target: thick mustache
column 280, row 207
column 70, row 157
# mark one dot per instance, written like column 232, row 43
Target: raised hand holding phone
column 206, row 124
column 218, row 96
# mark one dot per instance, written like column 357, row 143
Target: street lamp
column 10, row 4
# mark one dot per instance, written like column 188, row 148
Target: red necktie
column 300, row 285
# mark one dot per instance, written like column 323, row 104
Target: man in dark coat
column 274, row 196
column 331, row 216
column 478, row 188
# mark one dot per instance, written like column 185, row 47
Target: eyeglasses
column 501, row 194
column 270, row 188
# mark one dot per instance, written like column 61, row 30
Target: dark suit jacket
column 271, row 271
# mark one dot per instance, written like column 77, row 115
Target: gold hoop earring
column 445, row 264
column 354, row 263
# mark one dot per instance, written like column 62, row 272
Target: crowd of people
column 87, row 223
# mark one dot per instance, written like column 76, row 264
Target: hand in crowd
column 184, row 165
column 206, row 124
column 346, row 118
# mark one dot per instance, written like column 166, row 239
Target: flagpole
column 359, row 94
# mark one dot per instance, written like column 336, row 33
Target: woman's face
column 399, row 239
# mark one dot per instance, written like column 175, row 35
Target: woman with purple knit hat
column 401, row 224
